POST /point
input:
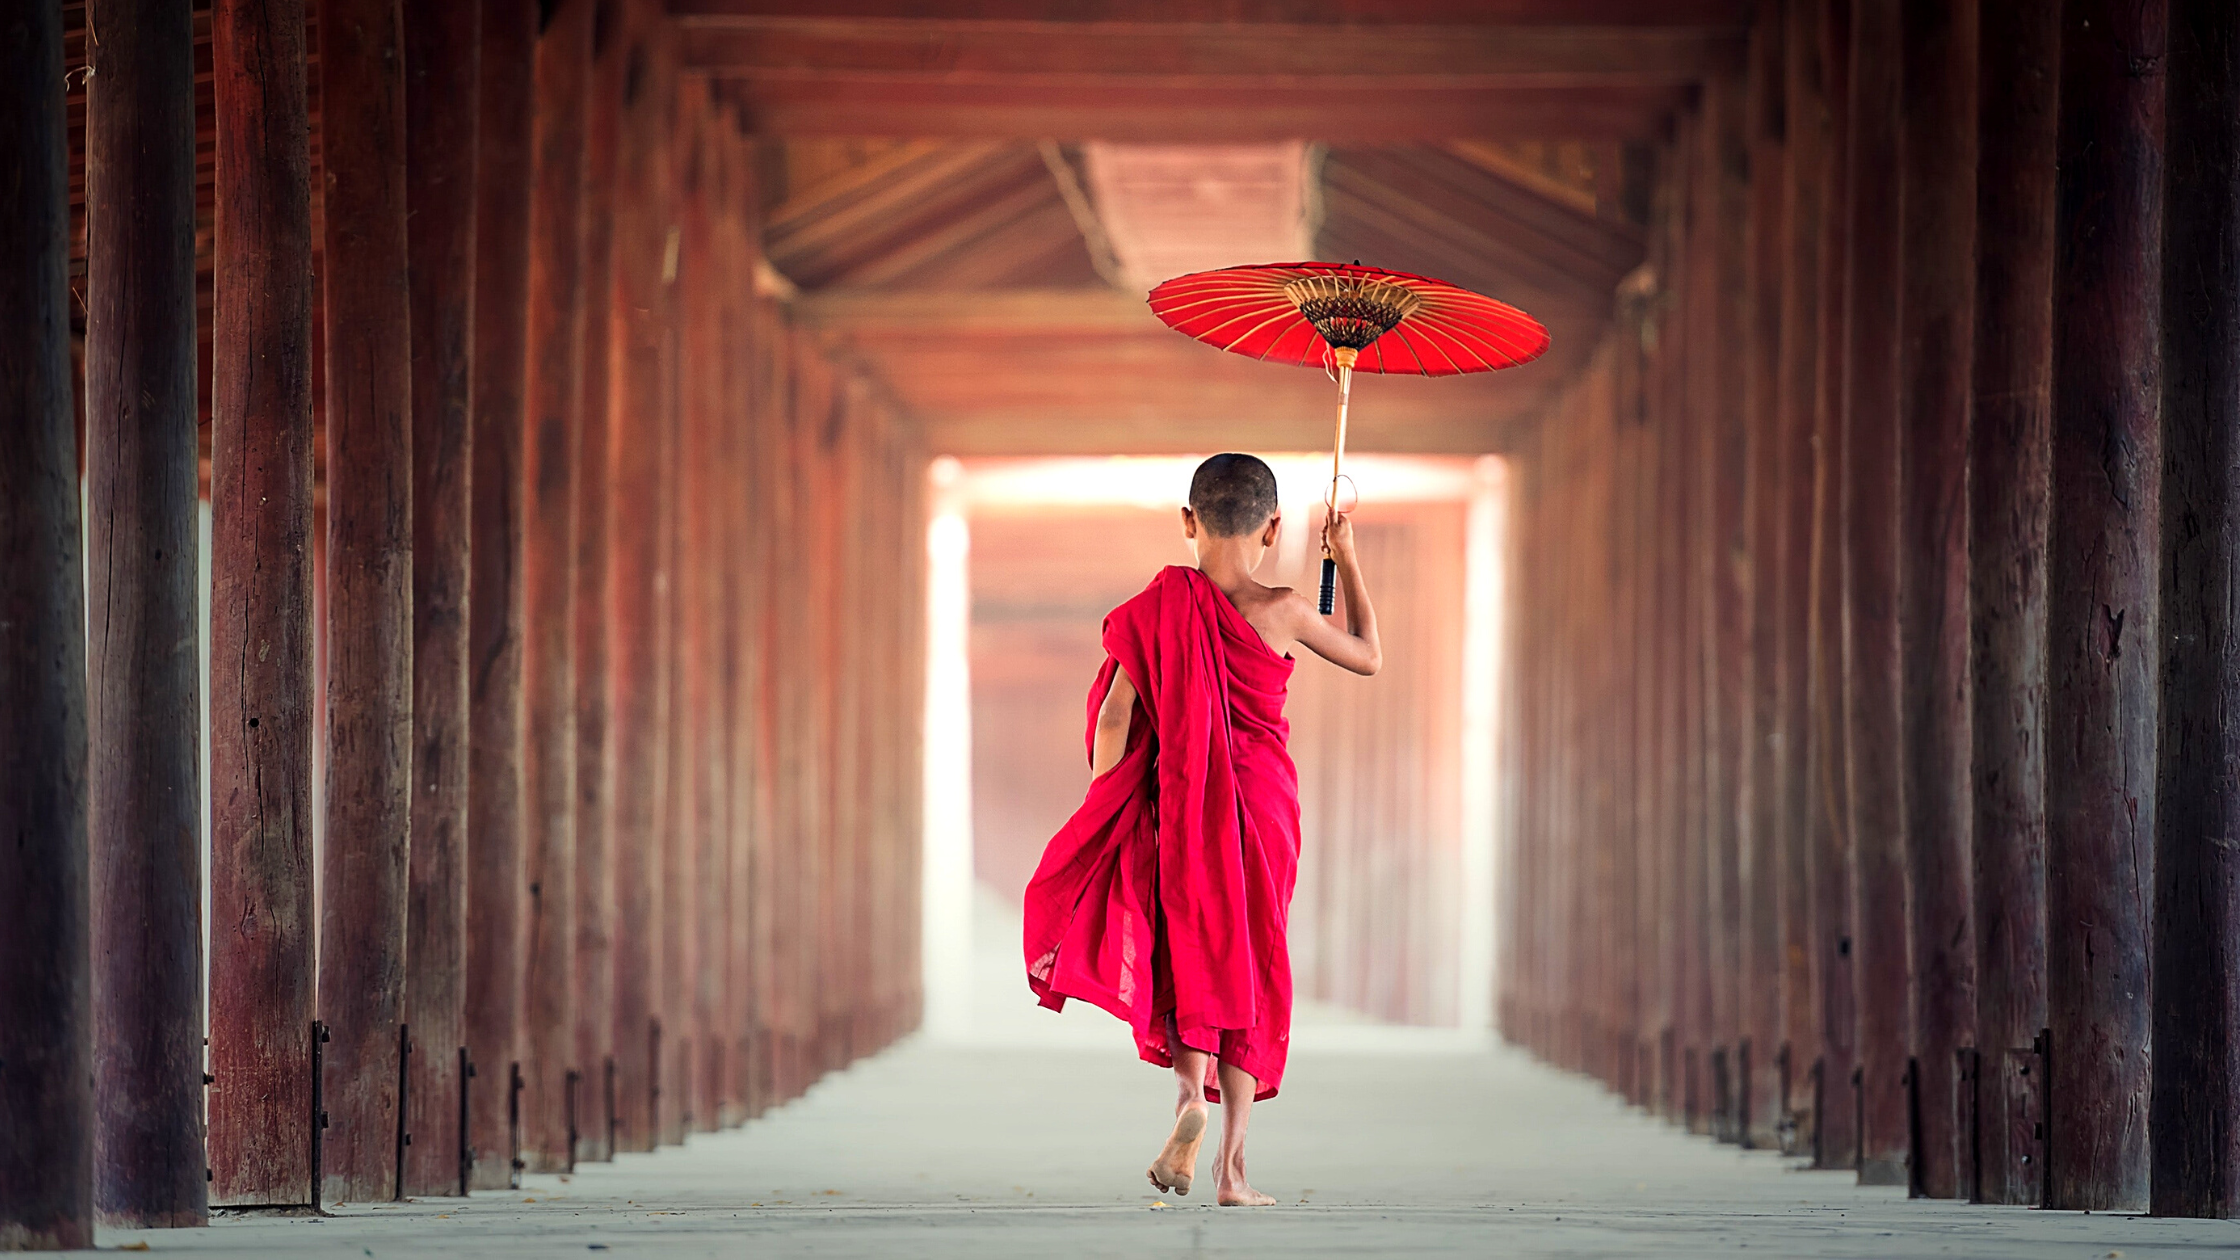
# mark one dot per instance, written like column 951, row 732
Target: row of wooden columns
column 608, row 649
column 1875, row 751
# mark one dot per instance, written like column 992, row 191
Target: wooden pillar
column 637, row 718
column 594, row 881
column 46, row 1004
column 1836, row 1112
column 2009, row 465
column 1870, row 546
column 1938, row 320
column 1806, row 144
column 494, row 623
column 369, row 591
column 144, row 676
column 2103, row 577
column 2196, row 1085
column 261, row 700
column 443, row 40
column 1766, row 526
column 548, row 765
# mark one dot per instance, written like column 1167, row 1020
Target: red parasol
column 1320, row 314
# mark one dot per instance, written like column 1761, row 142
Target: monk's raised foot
column 1177, row 1164
column 1245, row 1196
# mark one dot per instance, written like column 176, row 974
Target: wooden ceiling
column 926, row 192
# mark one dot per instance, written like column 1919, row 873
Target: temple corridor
column 551, row 550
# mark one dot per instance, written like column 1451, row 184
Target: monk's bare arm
column 1112, row 724
column 1355, row 647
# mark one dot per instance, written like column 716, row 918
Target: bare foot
column 1177, row 1165
column 1242, row 1195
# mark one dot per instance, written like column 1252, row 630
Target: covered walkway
column 936, row 1152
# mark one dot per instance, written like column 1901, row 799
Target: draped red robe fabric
column 1169, row 891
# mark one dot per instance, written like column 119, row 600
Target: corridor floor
column 1394, row 1150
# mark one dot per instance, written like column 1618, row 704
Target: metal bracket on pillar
column 404, row 1101
column 2039, row 1057
column 466, row 1141
column 568, row 1098
column 1819, row 1113
column 1911, row 1083
column 1967, row 1129
column 318, row 1109
column 514, row 1085
column 610, row 1107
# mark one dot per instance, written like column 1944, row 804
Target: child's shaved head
column 1233, row 494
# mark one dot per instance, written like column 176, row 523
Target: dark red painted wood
column 2009, row 466
column 1765, row 525
column 494, row 630
column 367, row 319
column 2103, row 579
column 555, row 228
column 2196, row 1084
column 46, row 1007
column 1937, row 324
column 261, row 642
column 443, row 41
column 1806, row 146
column 1836, row 1118
column 143, row 673
column 594, row 881
column 636, row 630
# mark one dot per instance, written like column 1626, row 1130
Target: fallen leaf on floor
column 134, row 1246
column 528, row 1200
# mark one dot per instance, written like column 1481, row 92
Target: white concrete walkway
column 938, row 1152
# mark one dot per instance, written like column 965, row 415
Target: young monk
column 1166, row 898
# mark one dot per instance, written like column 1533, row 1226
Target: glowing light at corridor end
column 946, row 933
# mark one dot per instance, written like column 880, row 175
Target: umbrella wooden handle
column 1345, row 357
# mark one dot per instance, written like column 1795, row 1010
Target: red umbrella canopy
column 1296, row 313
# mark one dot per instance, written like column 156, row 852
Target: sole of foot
column 1177, row 1164
column 1247, row 1197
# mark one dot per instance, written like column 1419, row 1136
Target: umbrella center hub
column 1351, row 311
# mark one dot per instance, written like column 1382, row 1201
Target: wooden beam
column 548, row 467
column 262, row 1126
column 495, row 616
column 1870, row 543
column 1204, row 55
column 2008, row 471
column 844, row 106
column 1727, row 13
column 443, row 41
column 1938, row 318
column 2103, row 583
column 637, row 573
column 2196, row 1156
column 46, row 998
column 594, row 876
column 369, row 591
column 145, row 807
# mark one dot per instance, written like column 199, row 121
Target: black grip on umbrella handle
column 1329, row 602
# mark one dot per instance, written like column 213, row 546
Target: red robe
column 1169, row 891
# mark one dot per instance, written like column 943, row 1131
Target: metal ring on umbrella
column 1320, row 314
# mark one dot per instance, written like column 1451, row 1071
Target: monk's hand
column 1337, row 536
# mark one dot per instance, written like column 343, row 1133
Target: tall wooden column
column 443, row 41
column 1938, row 320
column 144, row 674
column 46, row 1005
column 594, row 881
column 1807, row 142
column 494, row 623
column 2196, row 1083
column 369, row 591
column 555, row 229
column 2009, row 464
column 1835, row 983
column 2103, row 578
column 1757, row 1074
column 1870, row 545
column 261, row 701
column 637, row 719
